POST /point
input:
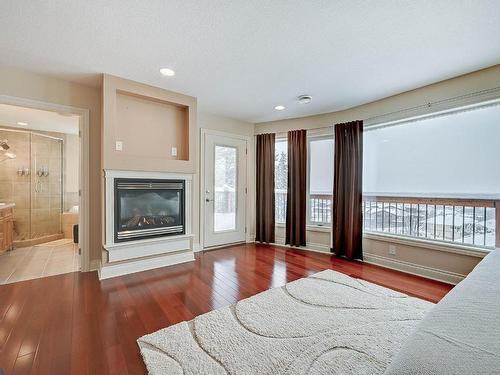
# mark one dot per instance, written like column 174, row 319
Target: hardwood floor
column 74, row 324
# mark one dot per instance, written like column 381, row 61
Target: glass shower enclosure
column 33, row 180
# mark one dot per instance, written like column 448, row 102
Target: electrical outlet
column 119, row 146
column 392, row 250
column 174, row 151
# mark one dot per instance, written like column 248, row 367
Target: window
column 225, row 181
column 436, row 178
column 280, row 179
column 320, row 180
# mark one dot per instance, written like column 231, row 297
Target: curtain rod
column 476, row 99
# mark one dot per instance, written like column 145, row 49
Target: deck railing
column 467, row 221
column 280, row 206
column 320, row 208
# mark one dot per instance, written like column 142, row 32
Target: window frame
column 284, row 140
column 312, row 138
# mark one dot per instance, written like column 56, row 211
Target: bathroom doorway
column 40, row 174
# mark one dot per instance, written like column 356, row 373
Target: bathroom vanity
column 6, row 226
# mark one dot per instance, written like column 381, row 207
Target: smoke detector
column 304, row 99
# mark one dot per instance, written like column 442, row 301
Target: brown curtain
column 265, row 188
column 296, row 213
column 347, row 190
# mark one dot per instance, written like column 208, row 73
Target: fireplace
column 147, row 208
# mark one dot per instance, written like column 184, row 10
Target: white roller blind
column 452, row 155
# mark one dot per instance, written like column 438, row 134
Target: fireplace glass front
column 148, row 208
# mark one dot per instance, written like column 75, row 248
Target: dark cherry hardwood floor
column 74, row 324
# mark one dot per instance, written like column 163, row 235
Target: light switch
column 174, row 151
column 119, row 146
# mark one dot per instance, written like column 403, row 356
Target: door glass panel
column 225, row 188
column 46, row 188
column 15, row 179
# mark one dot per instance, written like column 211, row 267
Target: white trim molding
column 414, row 269
column 110, row 270
column 95, row 265
column 216, row 247
column 310, row 246
column 398, row 265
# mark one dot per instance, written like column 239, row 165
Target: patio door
column 224, row 193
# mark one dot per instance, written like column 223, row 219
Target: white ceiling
column 243, row 57
column 38, row 119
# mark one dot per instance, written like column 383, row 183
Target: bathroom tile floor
column 39, row 261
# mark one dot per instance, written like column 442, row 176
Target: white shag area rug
column 327, row 323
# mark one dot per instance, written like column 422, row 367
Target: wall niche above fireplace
column 156, row 128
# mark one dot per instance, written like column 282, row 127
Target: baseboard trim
column 109, row 270
column 310, row 246
column 318, row 247
column 95, row 265
column 223, row 246
column 197, row 247
column 398, row 265
column 414, row 269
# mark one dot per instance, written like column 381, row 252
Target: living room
column 264, row 187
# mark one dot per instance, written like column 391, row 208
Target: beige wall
column 225, row 124
column 149, row 129
column 22, row 84
column 433, row 261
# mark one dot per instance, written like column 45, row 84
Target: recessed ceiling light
column 22, row 123
column 304, row 99
column 167, row 72
column 279, row 107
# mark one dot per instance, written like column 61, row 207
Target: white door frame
column 84, row 114
column 248, row 140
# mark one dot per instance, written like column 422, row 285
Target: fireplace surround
column 148, row 221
